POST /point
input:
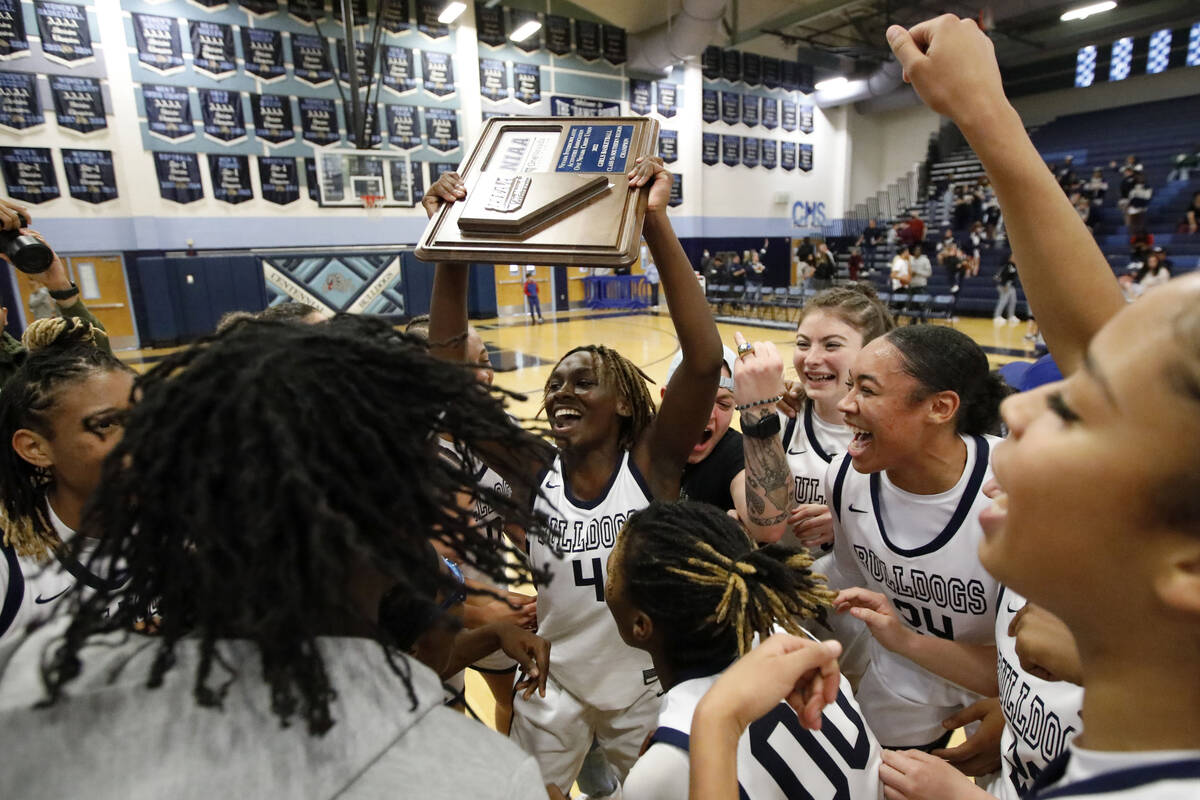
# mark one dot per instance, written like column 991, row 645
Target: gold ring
column 743, row 349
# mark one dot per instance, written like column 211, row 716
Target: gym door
column 101, row 282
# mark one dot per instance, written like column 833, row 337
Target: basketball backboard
column 344, row 177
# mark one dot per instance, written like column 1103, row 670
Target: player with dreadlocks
column 60, row 414
column 687, row 585
column 273, row 500
column 614, row 455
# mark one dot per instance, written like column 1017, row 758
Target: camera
column 26, row 252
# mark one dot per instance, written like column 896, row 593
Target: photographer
column 56, row 281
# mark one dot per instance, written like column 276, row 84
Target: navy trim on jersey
column 671, row 736
column 637, row 476
column 588, row 505
column 812, row 434
column 484, row 670
column 16, row 589
column 89, row 579
column 1121, row 780
column 788, row 430
column 969, row 495
column 837, row 485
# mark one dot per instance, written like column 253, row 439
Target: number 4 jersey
column 587, row 657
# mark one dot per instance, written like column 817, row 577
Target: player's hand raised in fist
column 757, row 374
column 651, row 171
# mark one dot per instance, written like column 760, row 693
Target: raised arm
column 663, row 450
column 766, row 483
column 1071, row 290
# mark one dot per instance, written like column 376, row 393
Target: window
column 1160, row 52
column 1122, row 58
column 1085, row 66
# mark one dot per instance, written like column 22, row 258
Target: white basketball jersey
column 809, row 454
column 486, row 516
column 1040, row 717
column 777, row 757
column 1159, row 775
column 587, row 656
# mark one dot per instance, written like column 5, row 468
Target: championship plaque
column 547, row 190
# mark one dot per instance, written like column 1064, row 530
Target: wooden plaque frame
column 547, row 190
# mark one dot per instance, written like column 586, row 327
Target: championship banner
column 770, row 113
column 441, row 129
column 710, row 62
column 750, row 151
column 168, row 112
column 614, row 44
column 90, row 175
column 306, row 11
column 279, row 180
column 158, row 44
column 787, row 155
column 587, row 40
column 29, row 174
column 273, row 118
column 806, row 157
column 362, row 61
column 230, row 176
column 517, row 18
column 731, row 150
column 13, row 42
column 178, row 177
column 260, row 8
column 770, row 72
column 710, row 149
column 404, row 127
column 493, row 79
column 310, row 59
column 263, row 50
column 66, row 37
column 806, row 119
column 371, row 133
column 710, row 110
column 731, row 108
column 789, row 116
column 583, row 107
column 437, row 71
column 212, row 5
column 770, row 153
column 749, row 110
column 439, row 168
column 558, row 34
column 310, row 179
column 752, row 69
column 639, row 96
column 527, row 83
column 489, row 25
column 416, row 172
column 668, row 146
column 357, row 7
column 399, row 70
column 428, row 12
column 224, row 119
column 668, row 98
column 212, row 48
column 676, row 191
column 731, row 65
column 20, row 106
column 78, row 103
column 395, row 17
column 789, row 75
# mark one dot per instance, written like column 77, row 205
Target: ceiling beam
column 809, row 13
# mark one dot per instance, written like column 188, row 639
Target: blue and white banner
column 306, row 11
column 20, row 105
column 416, row 174
column 441, row 129
column 614, row 44
column 676, row 191
column 439, row 168
column 752, row 69
column 310, row 179
column 668, row 98
column 668, row 146
column 310, row 59
column 558, row 34
column 212, row 5
column 489, row 25
column 260, row 8
column 263, row 50
column 710, row 148
column 710, row 108
column 90, row 175
column 158, row 43
column 750, row 151
column 358, row 8
column 395, row 16
column 428, row 12
column 731, row 150
column 527, row 83
column 224, row 118
column 29, row 174
column 66, row 37
column 404, row 127
column 493, row 79
column 787, row 155
column 710, row 62
column 789, row 116
column 399, row 69
column 279, row 179
column 769, row 153
column 731, row 108
column 230, row 177
column 639, row 96
column 789, row 75
column 750, row 110
column 372, row 137
column 212, row 48
column 13, row 42
column 517, row 18
column 168, row 111
column 806, row 119
column 273, row 121
column 319, row 121
column 770, row 72
column 770, row 113
column 178, row 177
column 363, row 61
column 78, row 103
column 437, row 73
column 806, row 157
column 587, row 40
column 731, row 65
column 583, row 107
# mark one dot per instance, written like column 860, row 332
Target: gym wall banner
column 168, row 112
column 517, row 18
column 66, row 37
column 789, row 115
column 404, row 127
column 20, row 106
column 749, row 111
column 769, row 153
column 493, row 79
column 752, row 69
column 264, row 54
column 489, row 25
column 806, row 157
column 358, row 8
column 260, row 8
column 770, row 72
column 310, row 179
column 587, row 40
column 273, row 118
column 305, row 11
column 319, row 121
column 428, row 12
column 583, row 107
column 710, row 62
column 441, row 129
column 416, row 172
column 639, row 96
column 731, row 65
column 437, row 72
column 558, row 34
column 668, row 146
column 224, row 117
column 770, row 113
column 395, row 16
column 158, row 43
column 279, row 179
column 230, row 177
column 527, row 83
column 668, row 98
column 78, row 103
column 614, row 44
column 212, row 49
column 362, row 58
column 13, row 43
column 750, row 151
column 806, row 119
column 731, row 108
column 709, row 105
column 676, row 190
column 212, row 5
column 178, row 177
column 439, row 168
column 29, row 174
column 731, row 150
column 310, row 59
column 90, row 175
column 399, row 70
column 710, row 148
column 374, row 136
column 787, row 155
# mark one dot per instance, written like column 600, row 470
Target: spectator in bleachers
column 755, row 271
column 1083, row 207
column 893, row 237
column 854, row 265
column 805, row 253
column 947, row 240
column 1184, row 163
column 912, row 230
column 1066, row 172
column 824, row 268
column 921, row 271
column 1095, row 187
column 991, row 210
column 737, row 270
column 962, row 208
column 869, row 240
column 1132, row 162
column 1191, row 217
column 1006, row 285
column 1153, row 273
column 1129, row 285
column 901, row 269
column 717, row 272
column 1139, row 199
column 950, row 257
column 1128, row 179
column 1163, row 259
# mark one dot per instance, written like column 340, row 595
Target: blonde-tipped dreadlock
column 694, row 572
column 43, row 332
column 620, row 373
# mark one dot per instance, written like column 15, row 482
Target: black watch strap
column 65, row 294
column 765, row 428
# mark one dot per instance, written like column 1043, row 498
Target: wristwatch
column 65, row 294
column 765, row 428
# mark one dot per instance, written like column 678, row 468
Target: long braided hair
column 260, row 472
column 696, row 574
column 621, row 374
column 63, row 354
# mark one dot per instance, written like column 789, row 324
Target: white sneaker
column 997, row 321
column 1013, row 320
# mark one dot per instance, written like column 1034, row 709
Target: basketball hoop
column 373, row 205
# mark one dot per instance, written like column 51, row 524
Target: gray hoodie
column 111, row 737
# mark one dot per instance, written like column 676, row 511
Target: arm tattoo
column 768, row 479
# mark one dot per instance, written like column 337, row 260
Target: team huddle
column 321, row 524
